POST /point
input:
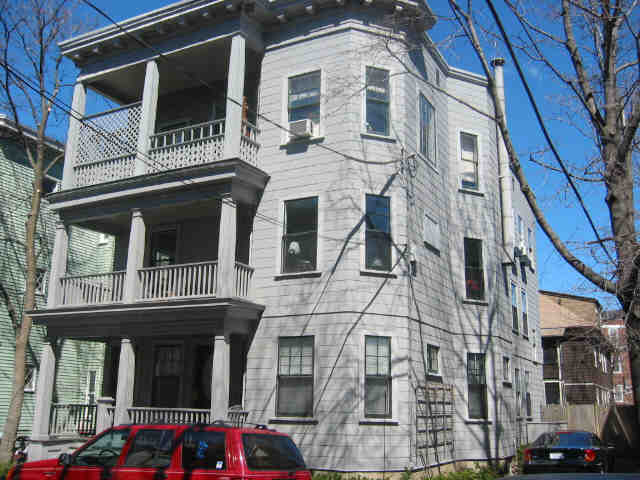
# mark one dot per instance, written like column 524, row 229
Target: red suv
column 175, row 452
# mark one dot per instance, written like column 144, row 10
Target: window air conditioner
column 300, row 129
column 523, row 254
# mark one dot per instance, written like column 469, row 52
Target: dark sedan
column 567, row 451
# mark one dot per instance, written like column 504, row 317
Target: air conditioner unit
column 523, row 254
column 300, row 129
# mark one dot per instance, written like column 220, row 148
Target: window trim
column 363, row 236
column 620, row 391
column 506, row 369
column 515, row 311
column 280, row 233
column 314, row 379
column 432, row 162
column 471, row 132
column 438, row 371
column 284, row 226
column 484, row 269
column 524, row 312
column 317, row 134
column 395, row 365
column 390, row 116
column 33, row 383
column 487, row 405
column 163, row 228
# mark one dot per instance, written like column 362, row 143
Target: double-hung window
column 477, row 383
column 433, row 353
column 619, row 393
column 30, row 376
column 377, row 101
column 527, row 395
column 514, row 307
column 525, row 318
column 304, row 99
column 469, row 161
column 378, row 233
column 618, row 363
column 506, row 373
column 300, row 238
column 377, row 377
column 427, row 130
column 516, row 380
column 473, row 269
column 295, row 377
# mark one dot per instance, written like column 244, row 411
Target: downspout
column 506, row 188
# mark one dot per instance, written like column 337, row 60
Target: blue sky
column 559, row 205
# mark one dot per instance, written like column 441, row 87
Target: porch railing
column 192, row 145
column 107, row 144
column 73, row 419
column 242, row 274
column 168, row 415
column 174, row 281
column 249, row 145
column 92, row 289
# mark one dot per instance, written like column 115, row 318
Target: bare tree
column 592, row 50
column 30, row 83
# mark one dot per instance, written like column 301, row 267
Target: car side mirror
column 64, row 459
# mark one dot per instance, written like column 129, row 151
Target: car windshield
column 271, row 452
column 571, row 439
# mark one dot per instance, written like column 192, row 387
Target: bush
column 516, row 466
column 477, row 473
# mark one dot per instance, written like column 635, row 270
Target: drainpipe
column 504, row 170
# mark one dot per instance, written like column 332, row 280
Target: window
column 30, row 377
column 469, row 161
column 164, row 247
column 530, row 243
column 90, row 395
column 300, row 239
column 295, row 377
column 477, row 382
column 473, row 272
column 42, row 281
column 377, row 377
column 203, row 449
column 377, row 101
column 432, row 359
column 104, row 451
column 514, row 307
column 552, row 393
column 619, row 393
column 431, row 232
column 150, row 448
column 506, row 369
column 304, row 98
column 271, row 452
column 618, row 364
column 427, row 130
column 516, row 380
column 525, row 320
column 378, row 233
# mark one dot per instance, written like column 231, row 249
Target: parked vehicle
column 197, row 452
column 568, row 451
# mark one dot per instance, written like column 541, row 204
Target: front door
column 167, row 376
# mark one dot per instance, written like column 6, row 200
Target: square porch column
column 227, row 248
column 220, row 373
column 235, row 93
column 126, row 375
column 44, row 397
column 135, row 256
column 147, row 117
column 78, row 105
column 58, row 265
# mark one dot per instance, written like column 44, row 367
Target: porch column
column 44, row 392
column 58, row 265
column 235, row 92
column 135, row 256
column 126, row 374
column 220, row 378
column 73, row 135
column 148, row 116
column 227, row 248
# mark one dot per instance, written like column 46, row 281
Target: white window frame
column 436, row 372
column 619, row 393
column 524, row 312
column 486, row 386
column 434, row 121
column 363, row 233
column 280, row 232
column 395, row 375
column 365, row 130
column 476, row 162
column 506, row 369
column 283, row 224
column 30, row 387
column 479, row 137
column 515, row 325
column 473, row 236
column 42, row 281
column 87, row 392
column 318, row 130
column 313, row 380
column 618, row 363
